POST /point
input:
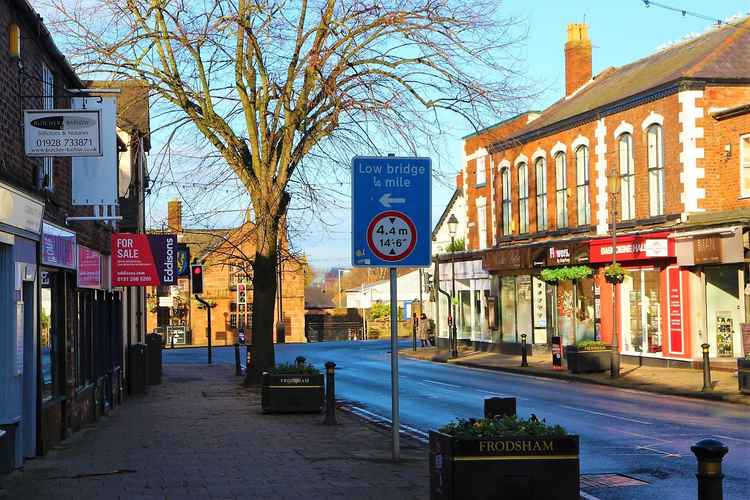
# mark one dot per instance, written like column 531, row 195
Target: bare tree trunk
column 265, row 283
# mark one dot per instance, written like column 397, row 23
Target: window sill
column 559, row 232
column 478, row 186
column 581, row 229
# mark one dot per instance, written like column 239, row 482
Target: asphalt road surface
column 640, row 435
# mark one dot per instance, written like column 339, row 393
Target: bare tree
column 285, row 90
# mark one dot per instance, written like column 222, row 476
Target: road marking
column 655, row 450
column 733, row 439
column 586, row 496
column 607, row 415
column 441, row 383
column 380, row 419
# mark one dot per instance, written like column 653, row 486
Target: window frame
column 627, row 178
column 523, row 197
column 655, row 170
column 505, row 187
column 48, row 103
column 481, row 167
column 582, row 188
column 540, row 169
column 482, row 224
column 561, row 191
column 744, row 164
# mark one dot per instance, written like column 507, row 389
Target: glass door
column 722, row 308
column 640, row 296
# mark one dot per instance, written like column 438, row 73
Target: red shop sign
column 637, row 247
column 675, row 310
column 89, row 268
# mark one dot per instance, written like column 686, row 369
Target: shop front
column 652, row 300
column 56, row 330
column 20, row 225
column 716, row 260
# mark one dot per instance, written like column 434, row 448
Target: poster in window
column 19, row 338
column 724, row 333
column 540, row 303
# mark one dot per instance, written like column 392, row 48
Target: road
column 641, row 435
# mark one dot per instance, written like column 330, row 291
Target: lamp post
column 339, row 272
column 452, row 227
column 613, row 188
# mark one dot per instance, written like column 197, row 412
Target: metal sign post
column 395, row 421
column 391, row 227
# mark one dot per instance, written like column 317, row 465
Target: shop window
column 541, row 194
column 561, row 190
column 505, row 178
column 745, row 165
column 582, row 185
column 723, row 308
column 523, row 198
column 481, row 172
column 627, row 177
column 84, row 338
column 584, row 309
column 508, row 308
column 51, row 328
column 464, row 314
column 565, row 311
column 655, row 170
column 642, row 311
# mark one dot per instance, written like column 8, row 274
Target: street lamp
column 452, row 227
column 613, row 189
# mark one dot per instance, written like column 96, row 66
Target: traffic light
column 196, row 278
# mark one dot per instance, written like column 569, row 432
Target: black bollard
column 172, row 340
column 709, row 453
column 499, row 407
column 524, row 361
column 330, row 418
column 237, row 369
column 300, row 361
column 707, row 385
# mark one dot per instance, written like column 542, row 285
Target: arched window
column 523, row 198
column 561, row 191
column 627, row 177
column 582, row 185
column 541, row 194
column 505, row 179
column 655, row 170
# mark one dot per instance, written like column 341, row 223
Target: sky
column 621, row 32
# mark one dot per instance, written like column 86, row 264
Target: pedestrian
column 423, row 330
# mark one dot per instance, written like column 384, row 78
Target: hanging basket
column 614, row 273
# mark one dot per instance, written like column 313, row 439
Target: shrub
column 592, row 345
column 501, row 427
column 293, row 369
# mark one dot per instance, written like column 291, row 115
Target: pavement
column 672, row 381
column 202, row 435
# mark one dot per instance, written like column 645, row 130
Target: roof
column 448, row 207
column 500, row 123
column 718, row 55
column 132, row 105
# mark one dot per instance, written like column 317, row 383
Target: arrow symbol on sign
column 386, row 200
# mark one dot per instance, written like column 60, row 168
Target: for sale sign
column 143, row 260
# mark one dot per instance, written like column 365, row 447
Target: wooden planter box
column 587, row 361
column 292, row 393
column 743, row 374
column 530, row 468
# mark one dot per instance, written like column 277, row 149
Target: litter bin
column 137, row 369
column 7, row 448
column 153, row 358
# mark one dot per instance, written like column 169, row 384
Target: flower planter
column 292, row 393
column 743, row 374
column 531, row 468
column 587, row 361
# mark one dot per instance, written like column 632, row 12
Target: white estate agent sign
column 62, row 132
column 95, row 178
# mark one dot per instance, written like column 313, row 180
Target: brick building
column 62, row 334
column 673, row 131
column 227, row 258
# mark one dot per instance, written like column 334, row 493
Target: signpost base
column 395, row 421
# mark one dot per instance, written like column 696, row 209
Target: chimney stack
column 577, row 57
column 174, row 215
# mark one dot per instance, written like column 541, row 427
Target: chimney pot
column 577, row 57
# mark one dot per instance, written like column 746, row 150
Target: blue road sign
column 391, row 212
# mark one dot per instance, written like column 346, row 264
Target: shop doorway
column 722, row 308
column 641, row 311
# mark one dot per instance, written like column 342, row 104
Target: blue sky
column 621, row 32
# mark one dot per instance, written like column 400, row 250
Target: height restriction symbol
column 391, row 235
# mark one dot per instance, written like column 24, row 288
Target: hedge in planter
column 504, row 458
column 588, row 356
column 290, row 388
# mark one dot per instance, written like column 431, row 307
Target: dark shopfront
column 528, row 305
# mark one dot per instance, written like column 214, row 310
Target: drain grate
column 591, row 481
